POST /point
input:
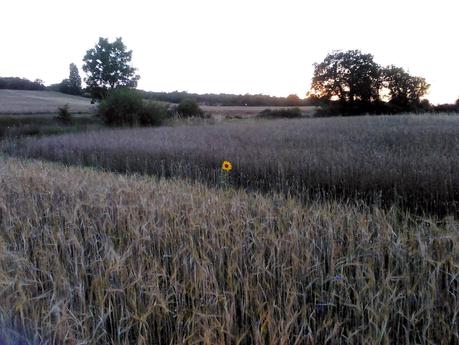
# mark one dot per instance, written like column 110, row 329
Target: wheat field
column 90, row 257
column 411, row 161
column 41, row 102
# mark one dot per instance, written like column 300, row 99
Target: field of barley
column 326, row 231
column 90, row 257
column 409, row 161
column 41, row 102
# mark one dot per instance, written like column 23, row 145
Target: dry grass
column 14, row 126
column 407, row 160
column 41, row 102
column 95, row 258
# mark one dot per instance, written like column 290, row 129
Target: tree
column 404, row 90
column 74, row 79
column 189, row 107
column 125, row 106
column 63, row 115
column 40, row 83
column 293, row 100
column 107, row 66
column 71, row 85
column 346, row 76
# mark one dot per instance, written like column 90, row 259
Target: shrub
column 29, row 130
column 281, row 113
column 121, row 107
column 152, row 114
column 63, row 115
column 189, row 107
column 126, row 107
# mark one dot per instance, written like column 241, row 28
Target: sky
column 233, row 46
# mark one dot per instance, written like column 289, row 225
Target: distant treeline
column 14, row 83
column 72, row 85
column 226, row 99
column 447, row 108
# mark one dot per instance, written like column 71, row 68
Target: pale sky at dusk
column 233, row 46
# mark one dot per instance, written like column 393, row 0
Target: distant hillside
column 41, row 102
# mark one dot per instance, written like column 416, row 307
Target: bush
column 121, row 107
column 126, row 107
column 189, row 107
column 64, row 115
column 281, row 113
column 153, row 113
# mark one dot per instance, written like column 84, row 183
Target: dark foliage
column 120, row 107
column 189, row 107
column 349, row 76
column 405, row 91
column 71, row 85
column 351, row 83
column 125, row 107
column 54, row 87
column 281, row 113
column 64, row 116
column 447, row 108
column 153, row 114
column 333, row 108
column 14, row 83
column 107, row 66
column 226, row 99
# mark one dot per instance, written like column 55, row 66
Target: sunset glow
column 238, row 47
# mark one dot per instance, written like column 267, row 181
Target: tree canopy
column 404, row 89
column 357, row 82
column 347, row 76
column 71, row 85
column 108, row 66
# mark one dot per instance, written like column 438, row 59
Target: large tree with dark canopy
column 404, row 90
column 348, row 76
column 108, row 66
column 350, row 82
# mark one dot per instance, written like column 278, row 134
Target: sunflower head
column 227, row 166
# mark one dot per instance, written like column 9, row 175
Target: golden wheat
column 88, row 257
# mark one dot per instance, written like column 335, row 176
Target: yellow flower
column 227, row 166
